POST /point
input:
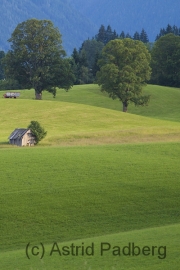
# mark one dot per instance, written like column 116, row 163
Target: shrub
column 38, row 131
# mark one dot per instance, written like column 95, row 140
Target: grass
column 160, row 236
column 64, row 194
column 163, row 104
column 69, row 123
column 115, row 180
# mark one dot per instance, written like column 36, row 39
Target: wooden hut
column 22, row 137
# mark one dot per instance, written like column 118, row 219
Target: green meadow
column 102, row 185
column 85, row 116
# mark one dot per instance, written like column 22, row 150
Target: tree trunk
column 125, row 106
column 38, row 96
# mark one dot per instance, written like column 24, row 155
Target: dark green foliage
column 110, row 34
column 128, row 35
column 169, row 29
column 124, row 69
column 9, row 84
column 36, row 59
column 144, row 36
column 166, row 61
column 95, row 67
column 79, row 67
column 136, row 36
column 91, row 48
column 2, row 55
column 38, row 131
column 84, row 61
column 149, row 46
column 122, row 35
column 76, row 56
column 105, row 35
column 101, row 36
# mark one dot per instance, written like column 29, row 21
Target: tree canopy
column 106, row 34
column 124, row 70
column 38, row 131
column 37, row 59
column 169, row 29
column 166, row 61
column 84, row 61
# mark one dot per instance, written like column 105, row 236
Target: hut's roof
column 18, row 133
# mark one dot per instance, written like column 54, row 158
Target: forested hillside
column 73, row 26
column 131, row 15
column 78, row 19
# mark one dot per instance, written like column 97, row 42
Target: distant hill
column 74, row 27
column 131, row 15
column 79, row 19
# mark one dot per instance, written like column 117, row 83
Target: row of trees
column 84, row 61
column 168, row 30
column 106, row 34
column 164, row 56
column 121, row 66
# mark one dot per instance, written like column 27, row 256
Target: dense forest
column 165, row 55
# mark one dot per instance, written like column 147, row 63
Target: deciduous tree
column 124, row 70
column 166, row 61
column 37, row 59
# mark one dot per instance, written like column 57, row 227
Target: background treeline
column 84, row 60
column 165, row 55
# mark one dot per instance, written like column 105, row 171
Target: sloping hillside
column 79, row 20
column 74, row 27
column 85, row 116
column 130, row 15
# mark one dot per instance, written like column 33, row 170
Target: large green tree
column 37, row 59
column 166, row 61
column 124, row 70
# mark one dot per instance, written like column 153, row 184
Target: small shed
column 22, row 137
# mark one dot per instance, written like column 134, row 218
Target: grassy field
column 96, row 119
column 99, row 176
column 65, row 194
column 163, row 104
